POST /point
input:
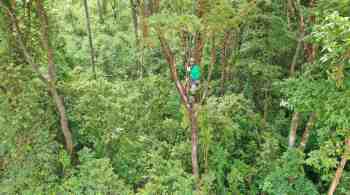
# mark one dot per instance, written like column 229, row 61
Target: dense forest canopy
column 175, row 97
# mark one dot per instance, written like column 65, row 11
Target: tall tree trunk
column 135, row 21
column 310, row 48
column 225, row 54
column 295, row 118
column 199, row 40
column 306, row 133
column 210, row 69
column 340, row 169
column 88, row 26
column 293, row 129
column 145, row 13
column 300, row 39
column 59, row 102
column 290, row 12
column 104, row 6
column 194, row 130
column 139, row 48
column 100, row 11
column 156, row 5
column 191, row 109
column 50, row 80
column 27, row 35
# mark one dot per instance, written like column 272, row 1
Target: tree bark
column 295, row 118
column 50, row 79
column 340, row 169
column 199, row 40
column 189, row 106
column 210, row 69
column 306, row 134
column 156, row 5
column 293, row 129
column 300, row 41
column 145, row 13
column 225, row 54
column 100, row 11
column 139, row 48
column 88, row 26
column 27, row 35
column 194, row 130
column 135, row 21
column 310, row 48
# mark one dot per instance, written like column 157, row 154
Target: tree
column 88, row 27
column 50, row 79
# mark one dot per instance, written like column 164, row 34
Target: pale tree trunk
column 300, row 40
column 88, row 26
column 27, row 35
column 293, row 129
column 295, row 118
column 225, row 55
column 100, row 11
column 50, row 79
column 290, row 12
column 135, row 21
column 145, row 13
column 310, row 48
column 340, row 169
column 194, row 129
column 310, row 124
column 310, row 51
column 139, row 48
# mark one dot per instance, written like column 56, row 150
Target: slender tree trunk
column 156, row 5
column 100, row 11
column 226, row 53
column 194, row 129
column 310, row 48
column 88, row 26
column 340, row 169
column 266, row 107
column 135, row 21
column 210, row 69
column 300, row 41
column 139, row 48
column 191, row 110
column 293, row 129
column 59, row 102
column 306, row 134
column 290, row 12
column 27, row 36
column 104, row 6
column 199, row 40
column 145, row 13
column 295, row 118
column 50, row 79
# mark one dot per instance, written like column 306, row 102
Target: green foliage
column 94, row 176
column 131, row 132
column 289, row 177
column 166, row 177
